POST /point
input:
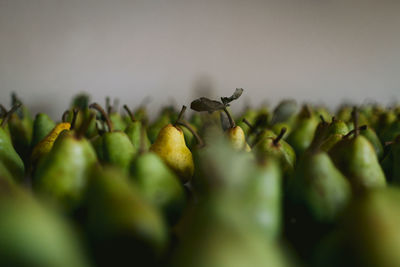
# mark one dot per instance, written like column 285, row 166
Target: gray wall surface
column 317, row 50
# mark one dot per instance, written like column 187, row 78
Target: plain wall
column 317, row 50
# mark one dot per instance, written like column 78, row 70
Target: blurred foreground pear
column 34, row 236
column 122, row 227
column 224, row 173
column 368, row 233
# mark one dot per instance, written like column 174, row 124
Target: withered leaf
column 238, row 92
column 205, row 104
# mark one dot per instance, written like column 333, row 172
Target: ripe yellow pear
column 237, row 138
column 171, row 147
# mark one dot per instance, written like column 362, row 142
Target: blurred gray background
column 317, row 50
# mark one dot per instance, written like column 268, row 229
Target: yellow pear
column 237, row 138
column 171, row 147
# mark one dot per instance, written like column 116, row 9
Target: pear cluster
column 288, row 186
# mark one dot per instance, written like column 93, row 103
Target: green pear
column 302, row 133
column 121, row 226
column 33, row 235
column 273, row 146
column 218, row 235
column 390, row 163
column 134, row 131
column 8, row 155
column 356, row 158
column 323, row 190
column 370, row 228
column 263, row 197
column 42, row 126
column 113, row 147
column 62, row 175
column 159, row 185
column 21, row 126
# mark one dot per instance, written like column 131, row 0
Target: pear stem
column 180, row 115
column 231, row 120
column 280, row 136
column 74, row 117
column 185, row 124
column 355, row 121
column 103, row 114
column 322, row 118
column 333, row 119
column 131, row 116
column 64, row 117
column 9, row 113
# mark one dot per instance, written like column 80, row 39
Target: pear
column 42, row 125
column 134, row 131
column 115, row 117
column 277, row 128
column 121, row 226
column 356, row 158
column 328, row 134
column 250, row 115
column 391, row 131
column 33, row 235
column 159, row 185
column 271, row 145
column 302, row 133
column 220, row 167
column 263, row 197
column 390, row 163
column 62, row 175
column 375, row 241
column 370, row 134
column 344, row 113
column 21, row 127
column 170, row 146
column 217, row 236
column 46, row 144
column 113, row 147
column 8, row 155
column 322, row 188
